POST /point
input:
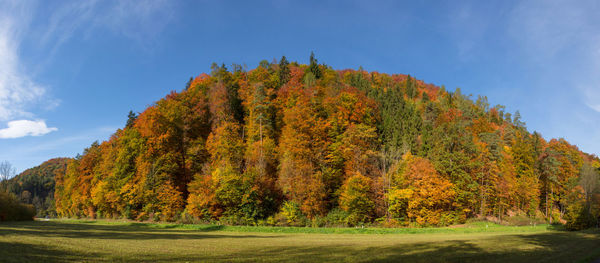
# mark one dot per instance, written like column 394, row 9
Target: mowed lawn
column 70, row 240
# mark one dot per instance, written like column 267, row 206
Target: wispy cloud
column 555, row 27
column 591, row 87
column 22, row 128
column 64, row 22
column 469, row 26
column 568, row 46
column 546, row 54
column 80, row 140
column 594, row 106
column 33, row 151
column 20, row 94
column 141, row 21
column 18, row 91
column 559, row 40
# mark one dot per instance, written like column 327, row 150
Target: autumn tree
column 308, row 143
column 224, row 144
column 420, row 194
column 357, row 199
column 302, row 149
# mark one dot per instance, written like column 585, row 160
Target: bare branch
column 7, row 171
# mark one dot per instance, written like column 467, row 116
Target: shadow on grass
column 546, row 247
column 555, row 246
column 120, row 231
column 557, row 227
column 197, row 228
column 20, row 252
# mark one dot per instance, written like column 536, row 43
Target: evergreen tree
column 313, row 67
column 131, row 117
column 284, row 71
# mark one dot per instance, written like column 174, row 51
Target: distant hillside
column 293, row 144
column 36, row 185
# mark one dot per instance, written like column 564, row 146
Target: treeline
column 35, row 186
column 292, row 144
column 10, row 207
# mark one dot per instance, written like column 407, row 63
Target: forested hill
column 36, row 185
column 287, row 144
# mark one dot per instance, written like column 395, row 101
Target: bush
column 451, row 218
column 336, row 218
column 237, row 220
column 12, row 210
column 386, row 222
column 521, row 218
column 289, row 215
column 578, row 217
column 185, row 218
column 318, row 221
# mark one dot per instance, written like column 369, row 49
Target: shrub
column 318, row 221
column 578, row 217
column 336, row 218
column 522, row 218
column 291, row 212
column 234, row 220
column 451, row 218
column 186, row 218
column 289, row 215
column 12, row 210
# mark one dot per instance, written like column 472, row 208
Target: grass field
column 110, row 241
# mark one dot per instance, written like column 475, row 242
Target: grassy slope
column 121, row 241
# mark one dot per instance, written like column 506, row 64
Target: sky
column 70, row 71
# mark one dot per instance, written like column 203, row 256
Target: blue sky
column 70, row 71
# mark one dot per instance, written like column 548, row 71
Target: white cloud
column 22, row 128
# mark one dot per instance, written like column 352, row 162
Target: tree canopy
column 290, row 141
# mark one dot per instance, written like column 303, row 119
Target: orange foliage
column 238, row 144
column 428, row 195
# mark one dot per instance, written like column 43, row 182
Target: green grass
column 475, row 227
column 110, row 241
